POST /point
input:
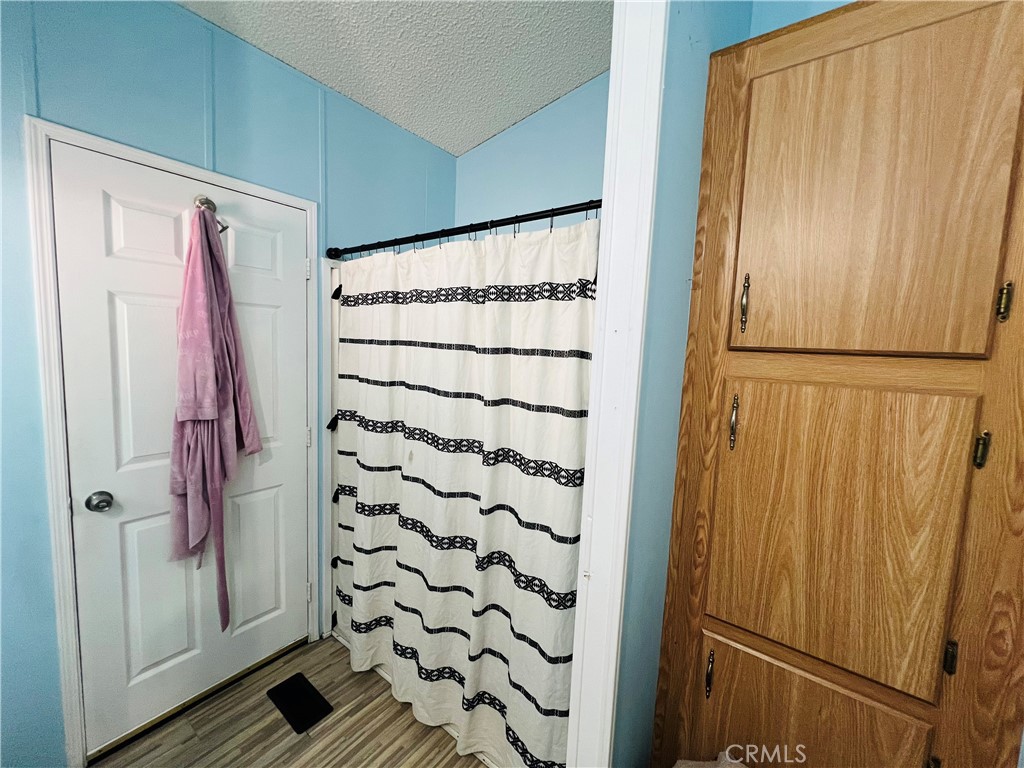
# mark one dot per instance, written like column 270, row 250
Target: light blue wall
column 154, row 76
column 695, row 30
column 30, row 705
column 769, row 15
column 554, row 157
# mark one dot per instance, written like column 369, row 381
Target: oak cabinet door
column 837, row 521
column 876, row 190
column 763, row 713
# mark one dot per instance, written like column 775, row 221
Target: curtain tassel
column 333, row 423
column 337, row 495
column 337, row 293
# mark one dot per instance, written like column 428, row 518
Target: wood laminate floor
column 241, row 728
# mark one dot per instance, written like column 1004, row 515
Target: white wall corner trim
column 39, row 134
column 329, row 322
column 631, row 161
column 37, row 145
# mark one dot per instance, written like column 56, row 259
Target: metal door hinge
column 309, row 592
column 309, row 437
column 981, row 445
column 309, row 269
column 949, row 658
column 933, row 762
column 709, row 676
column 1004, row 302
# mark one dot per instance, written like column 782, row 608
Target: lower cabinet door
column 762, row 711
column 837, row 523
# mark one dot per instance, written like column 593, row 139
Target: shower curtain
column 461, row 397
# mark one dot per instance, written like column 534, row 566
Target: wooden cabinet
column 848, row 531
column 875, row 192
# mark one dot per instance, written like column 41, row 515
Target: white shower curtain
column 461, row 397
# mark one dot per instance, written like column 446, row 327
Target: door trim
column 38, row 136
column 627, row 221
column 329, row 343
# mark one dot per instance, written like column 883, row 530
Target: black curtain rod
column 551, row 213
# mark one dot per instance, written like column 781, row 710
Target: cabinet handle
column 744, row 301
column 709, row 676
column 733, row 421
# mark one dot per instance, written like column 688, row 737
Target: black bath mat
column 300, row 702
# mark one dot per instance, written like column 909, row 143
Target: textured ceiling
column 455, row 73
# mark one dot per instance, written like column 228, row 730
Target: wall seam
column 210, row 106
column 33, row 108
column 321, row 96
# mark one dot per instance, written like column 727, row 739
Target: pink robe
column 214, row 416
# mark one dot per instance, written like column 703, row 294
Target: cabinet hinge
column 949, row 658
column 933, row 762
column 309, row 269
column 309, row 592
column 309, row 437
column 1004, row 302
column 981, row 445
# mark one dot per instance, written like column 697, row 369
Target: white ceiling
column 455, row 73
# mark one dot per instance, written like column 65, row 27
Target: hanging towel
column 214, row 416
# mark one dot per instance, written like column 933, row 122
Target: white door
column 150, row 634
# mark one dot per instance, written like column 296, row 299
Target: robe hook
column 202, row 201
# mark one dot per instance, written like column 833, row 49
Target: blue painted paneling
column 695, row 30
column 137, row 73
column 31, row 731
column 554, row 157
column 145, row 74
column 266, row 126
column 381, row 190
column 768, row 16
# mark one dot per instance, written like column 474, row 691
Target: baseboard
column 451, row 729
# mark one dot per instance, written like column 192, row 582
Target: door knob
column 99, row 501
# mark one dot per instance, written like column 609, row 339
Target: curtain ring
column 587, row 215
column 551, row 226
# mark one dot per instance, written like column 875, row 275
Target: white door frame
column 327, row 379
column 38, row 135
column 627, row 219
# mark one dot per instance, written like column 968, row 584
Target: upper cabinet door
column 876, row 189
